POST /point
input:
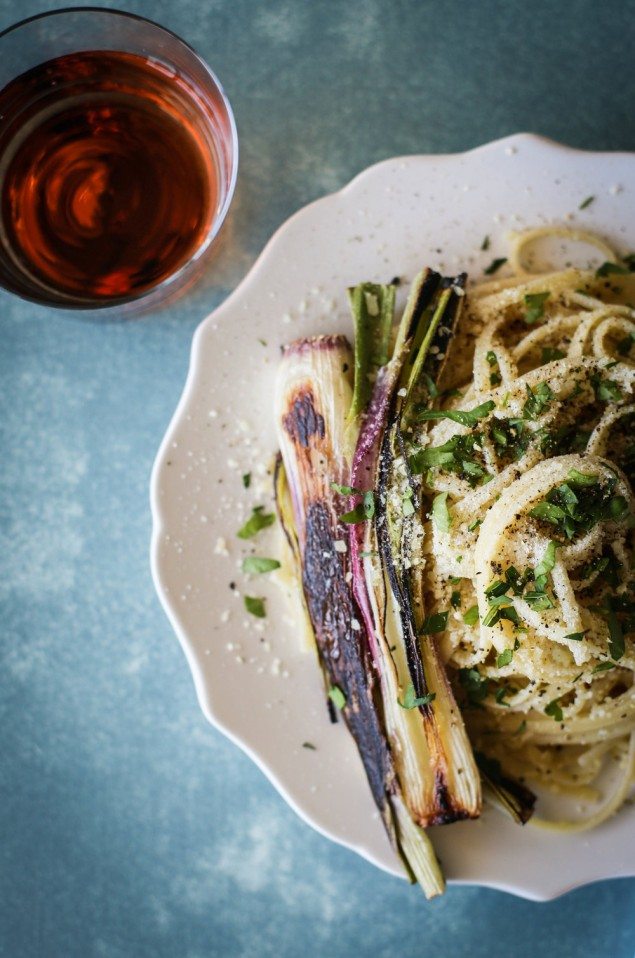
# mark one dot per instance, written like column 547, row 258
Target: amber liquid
column 108, row 178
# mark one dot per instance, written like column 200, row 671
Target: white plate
column 260, row 688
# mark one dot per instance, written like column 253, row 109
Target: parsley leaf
column 616, row 637
column 362, row 511
column 585, row 203
column 258, row 564
column 435, row 623
column 456, row 455
column 582, row 478
column 607, row 268
column 495, row 378
column 247, row 480
column 535, row 303
column 554, row 710
column 255, row 606
column 510, row 437
column 548, row 511
column 577, row 512
column 471, row 616
column 551, row 353
column 337, row 697
column 475, row 685
column 606, row 390
column 576, row 636
column 547, row 562
column 410, row 700
column 465, row 418
column 259, row 519
column 346, row 490
column 538, row 600
column 504, row 658
column 500, row 695
column 495, row 265
column 537, row 400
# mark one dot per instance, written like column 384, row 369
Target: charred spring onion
column 355, row 528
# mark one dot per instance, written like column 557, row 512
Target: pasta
column 535, row 556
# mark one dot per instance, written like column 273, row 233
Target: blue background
column 129, row 826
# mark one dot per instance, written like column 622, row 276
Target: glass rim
column 173, row 280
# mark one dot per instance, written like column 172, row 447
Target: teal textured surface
column 130, row 827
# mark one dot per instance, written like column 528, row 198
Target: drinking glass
column 118, row 160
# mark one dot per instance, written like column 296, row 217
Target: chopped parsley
column 337, row 697
column 558, row 442
column 259, row 519
column 554, row 710
column 500, row 603
column 247, row 480
column 535, row 306
column 432, row 624
column 362, row 511
column 485, row 243
column 537, row 400
column 495, row 265
column 546, row 564
column 510, row 437
column 455, row 599
column 577, row 510
column 585, row 203
column 616, row 636
column 538, row 600
column 471, row 616
column 576, row 636
column 465, row 418
column 504, row 658
column 456, row 455
column 255, row 606
column 495, row 378
column 582, row 478
column 346, row 490
column 258, row 564
column 606, row 390
column 550, row 354
column 475, row 685
column 501, row 694
column 606, row 269
column 411, row 701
